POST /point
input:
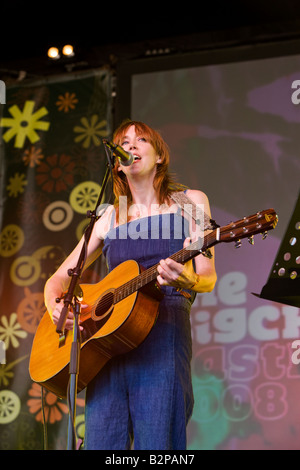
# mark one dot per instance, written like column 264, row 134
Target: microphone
column 126, row 158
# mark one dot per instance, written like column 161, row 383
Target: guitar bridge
column 61, row 340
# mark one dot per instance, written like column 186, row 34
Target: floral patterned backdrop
column 52, row 167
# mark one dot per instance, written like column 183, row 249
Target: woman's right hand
column 56, row 313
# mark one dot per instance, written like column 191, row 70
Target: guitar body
column 109, row 330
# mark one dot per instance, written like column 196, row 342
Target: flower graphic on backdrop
column 66, row 102
column 31, row 310
column 6, row 372
column 5, row 375
column 24, row 124
column 84, row 196
column 53, row 406
column 16, row 184
column 91, row 131
column 56, row 174
column 32, row 156
column 10, row 406
column 11, row 331
column 11, row 240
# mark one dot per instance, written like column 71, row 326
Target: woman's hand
column 56, row 313
column 69, row 324
column 175, row 274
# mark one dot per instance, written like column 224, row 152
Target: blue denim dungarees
column 146, row 393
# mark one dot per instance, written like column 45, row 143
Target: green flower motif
column 24, row 124
column 11, row 331
column 16, row 184
column 90, row 131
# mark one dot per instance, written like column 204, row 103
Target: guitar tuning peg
column 238, row 243
column 251, row 240
column 264, row 235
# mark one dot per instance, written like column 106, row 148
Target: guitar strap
column 194, row 210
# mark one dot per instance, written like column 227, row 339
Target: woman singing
column 144, row 396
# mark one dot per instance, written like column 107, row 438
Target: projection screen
column 233, row 129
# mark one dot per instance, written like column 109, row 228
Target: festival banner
column 52, row 167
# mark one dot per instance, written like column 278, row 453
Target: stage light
column 53, row 53
column 68, row 50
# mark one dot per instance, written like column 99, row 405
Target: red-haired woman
column 146, row 394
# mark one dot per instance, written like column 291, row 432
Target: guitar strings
column 181, row 256
column 149, row 275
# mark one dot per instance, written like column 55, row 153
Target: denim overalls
column 146, row 394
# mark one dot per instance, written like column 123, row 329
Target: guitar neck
column 199, row 246
column 181, row 256
column 260, row 222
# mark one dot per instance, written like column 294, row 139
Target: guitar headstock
column 261, row 222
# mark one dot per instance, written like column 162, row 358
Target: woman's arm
column 59, row 282
column 201, row 279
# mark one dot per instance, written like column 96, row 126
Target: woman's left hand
column 175, row 274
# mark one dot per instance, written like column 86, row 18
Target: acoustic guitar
column 123, row 308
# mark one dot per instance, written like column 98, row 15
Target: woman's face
column 146, row 157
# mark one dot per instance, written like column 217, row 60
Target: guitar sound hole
column 100, row 314
column 104, row 306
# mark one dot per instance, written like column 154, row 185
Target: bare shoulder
column 197, row 196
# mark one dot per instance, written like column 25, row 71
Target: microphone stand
column 71, row 300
